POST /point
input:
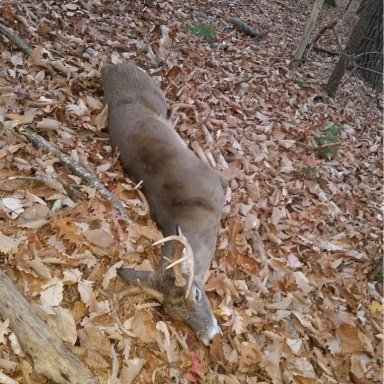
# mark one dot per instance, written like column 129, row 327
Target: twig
column 77, row 169
column 199, row 151
column 318, row 147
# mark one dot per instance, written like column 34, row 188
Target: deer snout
column 211, row 333
column 195, row 310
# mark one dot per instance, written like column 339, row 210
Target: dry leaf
column 99, row 237
column 49, row 124
column 130, row 370
column 101, row 120
column 111, row 274
column 34, row 217
column 12, row 206
column 196, row 372
column 52, row 293
column 353, row 340
column 4, row 330
column 293, row 261
column 8, row 244
column 64, row 325
column 42, row 270
column 143, row 326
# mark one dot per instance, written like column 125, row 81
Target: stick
column 247, row 29
column 319, row 147
column 199, row 151
column 52, row 66
column 320, row 48
column 307, row 34
column 12, row 37
column 258, row 244
column 77, row 169
column 47, row 351
column 324, row 29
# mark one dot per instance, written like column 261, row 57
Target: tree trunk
column 372, row 10
column 369, row 55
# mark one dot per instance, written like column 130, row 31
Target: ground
column 296, row 280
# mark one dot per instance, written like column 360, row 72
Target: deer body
column 181, row 191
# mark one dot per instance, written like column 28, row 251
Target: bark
column 354, row 42
column 369, row 54
column 49, row 355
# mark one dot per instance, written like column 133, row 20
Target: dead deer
column 186, row 197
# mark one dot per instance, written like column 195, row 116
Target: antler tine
column 189, row 256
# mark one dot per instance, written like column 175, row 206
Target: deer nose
column 214, row 330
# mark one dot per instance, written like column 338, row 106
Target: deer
column 186, row 196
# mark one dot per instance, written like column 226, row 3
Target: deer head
column 181, row 191
column 180, row 293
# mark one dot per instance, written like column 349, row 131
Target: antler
column 187, row 255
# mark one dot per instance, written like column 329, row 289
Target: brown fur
column 180, row 189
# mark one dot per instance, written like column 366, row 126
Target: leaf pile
column 307, row 311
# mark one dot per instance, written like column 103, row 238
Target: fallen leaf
column 131, row 369
column 196, row 372
column 353, row 340
column 101, row 120
column 375, row 306
column 111, row 274
column 64, row 325
column 216, row 349
column 8, row 244
column 11, row 205
column 48, row 124
column 4, row 330
column 293, row 261
column 99, row 237
column 52, row 293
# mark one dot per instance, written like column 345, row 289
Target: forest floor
column 312, row 311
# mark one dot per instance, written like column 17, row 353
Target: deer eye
column 197, row 294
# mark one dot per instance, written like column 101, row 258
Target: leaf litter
column 310, row 313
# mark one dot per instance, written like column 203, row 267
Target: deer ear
column 139, row 278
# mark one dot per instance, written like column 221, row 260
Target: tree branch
column 77, row 169
column 53, row 67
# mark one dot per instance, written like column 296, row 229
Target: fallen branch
column 53, row 67
column 328, row 51
column 239, row 24
column 47, row 351
column 324, row 29
column 77, row 169
column 12, row 37
column 202, row 15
